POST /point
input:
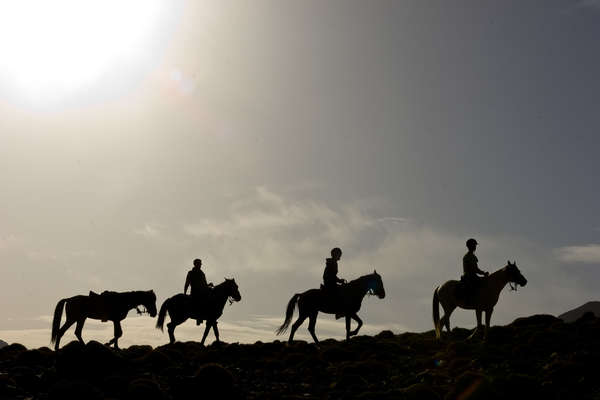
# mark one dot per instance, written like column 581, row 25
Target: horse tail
column 289, row 313
column 162, row 313
column 436, row 313
column 56, row 320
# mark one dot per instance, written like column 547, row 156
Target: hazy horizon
column 257, row 136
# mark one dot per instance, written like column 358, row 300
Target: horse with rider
column 335, row 296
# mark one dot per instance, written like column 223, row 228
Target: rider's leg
column 360, row 323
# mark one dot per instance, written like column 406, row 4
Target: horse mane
column 361, row 279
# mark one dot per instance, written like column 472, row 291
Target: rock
column 214, row 380
column 74, row 390
column 3, row 344
column 145, row 389
column 539, row 319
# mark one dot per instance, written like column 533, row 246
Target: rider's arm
column 187, row 283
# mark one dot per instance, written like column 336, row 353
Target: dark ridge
column 576, row 313
column 533, row 357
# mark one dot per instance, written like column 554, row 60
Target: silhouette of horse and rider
column 205, row 303
column 335, row 296
column 473, row 292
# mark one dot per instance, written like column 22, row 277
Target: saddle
column 467, row 287
column 336, row 297
column 100, row 300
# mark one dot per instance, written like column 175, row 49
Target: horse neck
column 220, row 295
column 132, row 299
column 497, row 280
column 360, row 285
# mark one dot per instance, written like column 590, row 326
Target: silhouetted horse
column 108, row 306
column 346, row 304
column 484, row 297
column 181, row 307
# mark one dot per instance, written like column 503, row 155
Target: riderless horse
column 108, row 306
column 181, row 307
column 483, row 299
column 346, row 303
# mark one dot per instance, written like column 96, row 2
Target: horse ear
column 508, row 261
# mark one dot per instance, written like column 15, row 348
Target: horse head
column 149, row 302
column 375, row 285
column 232, row 289
column 514, row 275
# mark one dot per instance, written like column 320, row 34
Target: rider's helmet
column 471, row 242
column 336, row 252
column 197, row 262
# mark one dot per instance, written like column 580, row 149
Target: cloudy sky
column 257, row 135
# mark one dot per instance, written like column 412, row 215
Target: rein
column 142, row 312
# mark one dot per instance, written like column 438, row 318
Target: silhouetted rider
column 471, row 270
column 200, row 289
column 330, row 278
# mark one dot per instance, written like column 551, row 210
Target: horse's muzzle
column 523, row 282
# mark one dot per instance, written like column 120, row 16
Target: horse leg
column 488, row 317
column 445, row 320
column 296, row 325
column 206, row 330
column 79, row 329
column 312, row 321
column 118, row 334
column 360, row 323
column 347, row 328
column 216, row 331
column 62, row 331
column 478, row 314
column 171, row 329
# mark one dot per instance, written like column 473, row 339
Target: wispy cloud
column 589, row 253
column 148, row 230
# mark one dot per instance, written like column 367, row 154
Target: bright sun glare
column 53, row 48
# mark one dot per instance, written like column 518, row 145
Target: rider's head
column 336, row 253
column 198, row 263
column 471, row 244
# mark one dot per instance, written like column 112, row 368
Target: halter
column 371, row 287
column 513, row 286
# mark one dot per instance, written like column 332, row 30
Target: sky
column 258, row 135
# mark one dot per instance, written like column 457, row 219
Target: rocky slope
column 534, row 357
column 576, row 313
column 3, row 343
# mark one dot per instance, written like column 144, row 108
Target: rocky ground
column 534, row 357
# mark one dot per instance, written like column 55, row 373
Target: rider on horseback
column 330, row 278
column 471, row 270
column 200, row 289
